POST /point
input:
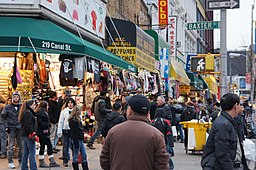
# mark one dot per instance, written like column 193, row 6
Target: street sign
column 222, row 4
column 208, row 25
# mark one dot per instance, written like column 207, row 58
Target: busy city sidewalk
column 182, row 161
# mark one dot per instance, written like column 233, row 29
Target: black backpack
column 159, row 124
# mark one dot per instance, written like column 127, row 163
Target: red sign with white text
column 163, row 13
column 172, row 37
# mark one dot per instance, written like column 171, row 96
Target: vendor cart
column 197, row 134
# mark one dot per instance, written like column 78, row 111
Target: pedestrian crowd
column 139, row 132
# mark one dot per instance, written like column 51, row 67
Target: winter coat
column 76, row 131
column 10, row 114
column 43, row 122
column 100, row 110
column 54, row 111
column 134, row 145
column 28, row 125
column 220, row 149
column 2, row 120
column 188, row 114
column 63, row 121
column 166, row 112
column 110, row 121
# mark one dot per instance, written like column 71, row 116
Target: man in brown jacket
column 135, row 144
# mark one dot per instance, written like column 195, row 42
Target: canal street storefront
column 136, row 47
column 30, row 38
column 181, row 80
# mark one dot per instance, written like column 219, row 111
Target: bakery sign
column 172, row 37
column 89, row 14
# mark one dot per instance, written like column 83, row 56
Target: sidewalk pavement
column 182, row 161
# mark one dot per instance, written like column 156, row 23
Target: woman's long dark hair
column 42, row 105
column 23, row 108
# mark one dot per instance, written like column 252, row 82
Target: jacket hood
column 113, row 115
column 17, row 93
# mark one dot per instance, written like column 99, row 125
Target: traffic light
column 209, row 62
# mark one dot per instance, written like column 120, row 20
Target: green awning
column 25, row 34
column 195, row 83
column 160, row 43
column 205, row 85
column 20, row 34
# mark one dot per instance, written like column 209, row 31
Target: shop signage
column 172, row 37
column 18, row 2
column 248, row 78
column 188, row 63
column 184, row 89
column 133, row 45
column 242, row 83
column 164, row 64
column 89, row 14
column 56, row 46
column 163, row 13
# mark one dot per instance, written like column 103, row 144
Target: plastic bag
column 249, row 150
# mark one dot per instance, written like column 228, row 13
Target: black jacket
column 76, row 129
column 110, row 121
column 188, row 114
column 43, row 122
column 165, row 112
column 54, row 111
column 10, row 114
column 28, row 125
column 100, row 110
column 220, row 149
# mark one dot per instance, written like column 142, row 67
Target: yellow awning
column 212, row 83
column 178, row 73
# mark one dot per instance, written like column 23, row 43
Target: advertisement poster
column 164, row 64
column 89, row 14
column 18, row 2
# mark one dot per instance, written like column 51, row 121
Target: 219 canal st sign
column 222, row 4
column 203, row 25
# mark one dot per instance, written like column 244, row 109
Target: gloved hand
column 33, row 136
column 7, row 130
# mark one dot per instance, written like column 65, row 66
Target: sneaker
column 65, row 164
column 11, row 166
column 90, row 146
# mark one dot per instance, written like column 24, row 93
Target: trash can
column 199, row 132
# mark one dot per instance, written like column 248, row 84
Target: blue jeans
column 29, row 153
column 78, row 146
column 3, row 136
column 170, row 151
column 14, row 134
column 180, row 131
column 97, row 133
column 54, row 136
column 66, row 140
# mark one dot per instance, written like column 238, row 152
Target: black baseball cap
column 139, row 104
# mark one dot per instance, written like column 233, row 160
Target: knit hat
column 18, row 94
column 139, row 104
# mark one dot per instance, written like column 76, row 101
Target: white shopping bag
column 174, row 131
column 191, row 138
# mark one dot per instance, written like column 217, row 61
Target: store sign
column 134, row 45
column 18, row 2
column 172, row 36
column 89, row 14
column 242, row 83
column 184, row 89
column 164, row 64
column 163, row 13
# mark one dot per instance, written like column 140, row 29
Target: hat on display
column 68, row 92
column 139, row 104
